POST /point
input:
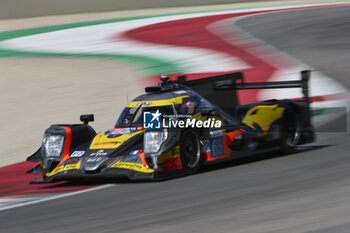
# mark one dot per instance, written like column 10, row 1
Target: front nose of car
column 94, row 164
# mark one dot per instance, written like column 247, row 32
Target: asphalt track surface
column 305, row 192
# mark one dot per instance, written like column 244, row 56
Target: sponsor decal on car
column 135, row 152
column 77, row 154
column 142, row 103
column 99, row 153
column 120, row 131
column 64, row 168
column 93, row 160
column 132, row 166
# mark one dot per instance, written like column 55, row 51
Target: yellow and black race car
column 175, row 128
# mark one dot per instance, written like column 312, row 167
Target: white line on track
column 54, row 197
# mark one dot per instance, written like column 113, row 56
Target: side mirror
column 209, row 112
column 86, row 118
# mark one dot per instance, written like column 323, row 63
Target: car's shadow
column 212, row 167
column 260, row 157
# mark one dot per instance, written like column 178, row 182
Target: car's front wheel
column 190, row 151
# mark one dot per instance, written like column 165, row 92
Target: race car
column 175, row 128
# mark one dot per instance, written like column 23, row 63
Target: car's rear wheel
column 290, row 132
column 190, row 151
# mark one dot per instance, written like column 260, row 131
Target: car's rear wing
column 303, row 83
column 236, row 81
column 219, row 89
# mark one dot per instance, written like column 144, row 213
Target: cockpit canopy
column 185, row 98
column 168, row 103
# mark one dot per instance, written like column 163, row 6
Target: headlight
column 153, row 140
column 52, row 145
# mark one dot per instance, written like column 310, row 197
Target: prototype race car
column 175, row 128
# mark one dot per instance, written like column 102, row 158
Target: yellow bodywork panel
column 173, row 153
column 102, row 141
column 64, row 168
column 157, row 103
column 170, row 154
column 263, row 116
column 132, row 166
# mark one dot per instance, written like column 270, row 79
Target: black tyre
column 190, row 151
column 290, row 132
